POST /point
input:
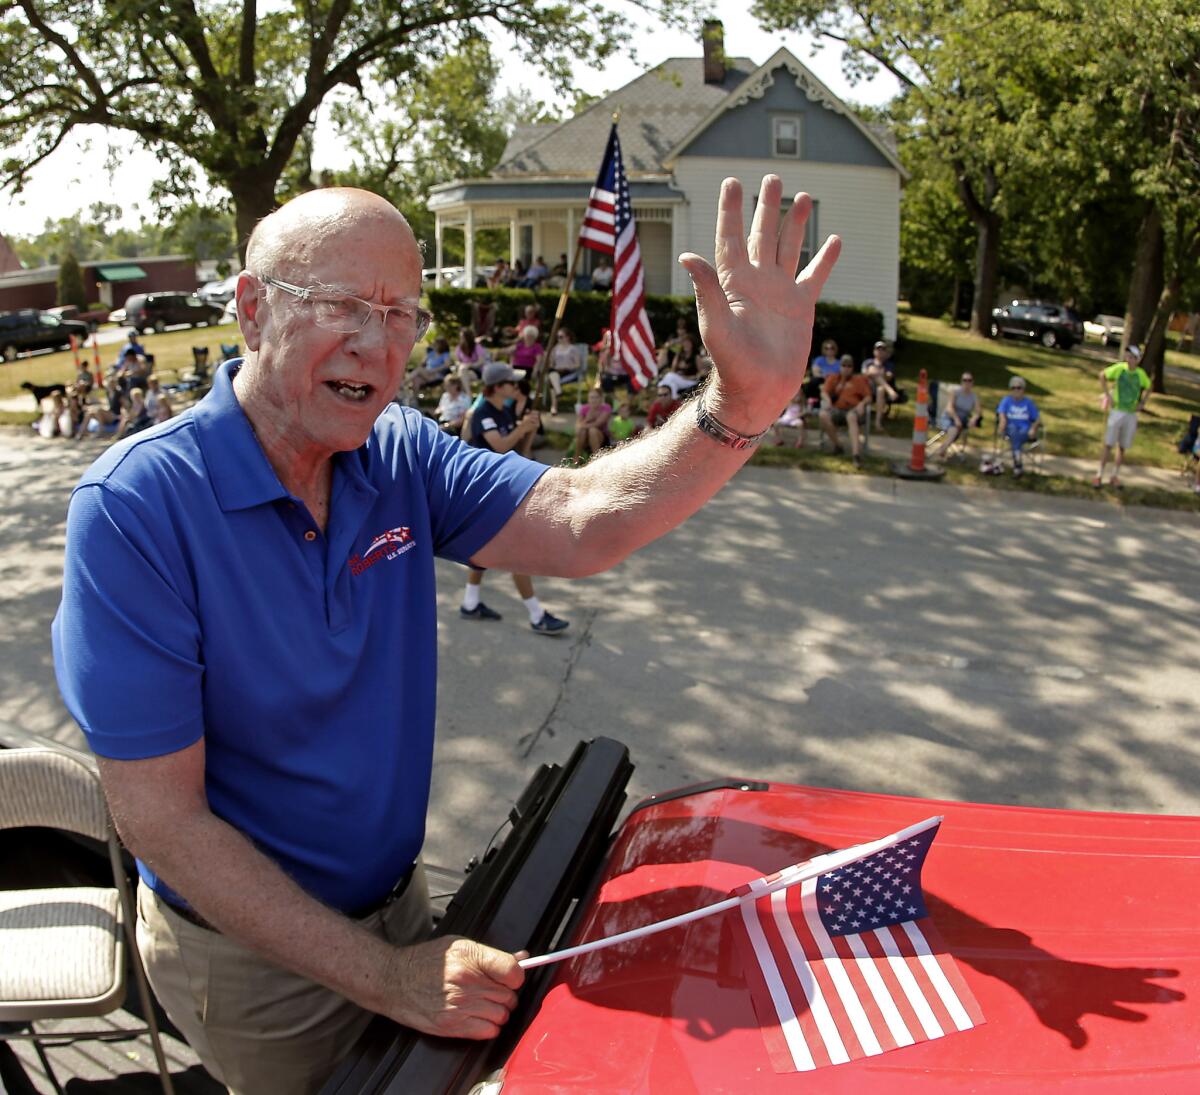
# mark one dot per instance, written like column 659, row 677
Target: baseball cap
column 497, row 372
column 1134, row 352
column 880, row 345
column 1016, row 382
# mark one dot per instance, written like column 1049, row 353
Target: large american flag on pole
column 608, row 227
column 848, row 964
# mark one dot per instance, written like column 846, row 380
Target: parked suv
column 1050, row 324
column 157, row 311
column 30, row 329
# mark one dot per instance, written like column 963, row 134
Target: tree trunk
column 252, row 201
column 1146, row 282
column 987, row 259
column 956, row 300
column 1154, row 352
column 987, row 246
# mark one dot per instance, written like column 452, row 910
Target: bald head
column 293, row 237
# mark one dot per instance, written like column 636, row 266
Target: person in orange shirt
column 847, row 400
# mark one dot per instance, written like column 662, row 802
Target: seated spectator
column 622, row 426
column 438, row 363
column 792, row 419
column 132, row 348
column 498, row 277
column 662, row 408
column 849, row 402
column 1019, row 418
column 567, row 363
column 824, row 365
column 104, row 418
column 514, row 275
column 51, row 409
column 683, row 372
column 537, row 273
column 83, row 379
column 529, row 350
column 558, row 276
column 602, row 275
column 469, row 357
column 158, row 406
column 453, row 405
column 963, row 410
column 880, row 370
column 135, row 417
column 71, row 418
column 611, row 371
column 531, row 316
column 591, row 424
column 682, row 331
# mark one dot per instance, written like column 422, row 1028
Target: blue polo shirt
column 201, row 600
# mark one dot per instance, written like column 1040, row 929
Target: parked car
column 1050, row 324
column 30, row 329
column 219, row 292
column 229, row 315
column 1108, row 329
column 92, row 318
column 117, row 316
column 158, row 311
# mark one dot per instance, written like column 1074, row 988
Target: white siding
column 860, row 204
column 654, row 242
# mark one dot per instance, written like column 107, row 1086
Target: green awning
column 125, row 271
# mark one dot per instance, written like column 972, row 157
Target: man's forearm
column 243, row 893
column 597, row 515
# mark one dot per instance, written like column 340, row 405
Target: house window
column 785, row 136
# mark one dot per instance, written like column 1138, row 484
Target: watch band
column 718, row 431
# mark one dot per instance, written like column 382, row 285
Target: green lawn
column 1065, row 385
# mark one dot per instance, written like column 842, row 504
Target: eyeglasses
column 968, row 379
column 346, row 314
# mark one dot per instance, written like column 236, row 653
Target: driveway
column 896, row 637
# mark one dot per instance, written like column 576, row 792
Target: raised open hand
column 756, row 315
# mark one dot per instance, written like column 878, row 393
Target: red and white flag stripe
column 836, row 999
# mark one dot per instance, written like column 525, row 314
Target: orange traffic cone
column 916, row 467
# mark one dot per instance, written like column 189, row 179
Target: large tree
column 231, row 87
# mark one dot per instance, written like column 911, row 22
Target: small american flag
column 608, row 227
column 848, row 964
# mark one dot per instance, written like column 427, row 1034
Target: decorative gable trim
column 755, row 87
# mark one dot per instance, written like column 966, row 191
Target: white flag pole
column 789, row 876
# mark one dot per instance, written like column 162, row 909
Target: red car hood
column 1079, row 934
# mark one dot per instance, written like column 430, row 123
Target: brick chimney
column 713, row 37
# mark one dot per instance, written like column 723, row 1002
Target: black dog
column 44, row 391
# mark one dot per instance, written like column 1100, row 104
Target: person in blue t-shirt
column 262, row 568
column 1018, row 421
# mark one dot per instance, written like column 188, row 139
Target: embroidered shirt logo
column 387, row 545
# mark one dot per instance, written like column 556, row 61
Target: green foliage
column 70, row 282
column 230, row 90
column 855, row 327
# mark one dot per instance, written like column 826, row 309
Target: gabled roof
column 757, row 83
column 658, row 110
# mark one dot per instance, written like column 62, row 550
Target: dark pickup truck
column 30, row 329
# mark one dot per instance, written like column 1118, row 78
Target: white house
column 686, row 125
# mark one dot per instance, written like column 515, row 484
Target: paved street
column 862, row 633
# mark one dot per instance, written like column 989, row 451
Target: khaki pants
column 258, row 1028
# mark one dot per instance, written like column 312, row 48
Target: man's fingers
column 791, row 237
column 817, row 272
column 762, row 245
column 731, row 235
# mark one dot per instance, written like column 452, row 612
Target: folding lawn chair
column 64, row 950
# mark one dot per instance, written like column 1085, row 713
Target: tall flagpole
column 539, row 384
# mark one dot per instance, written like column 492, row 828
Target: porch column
column 437, row 249
column 513, row 241
column 469, row 258
column 569, row 246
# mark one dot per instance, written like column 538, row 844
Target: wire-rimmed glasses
column 346, row 314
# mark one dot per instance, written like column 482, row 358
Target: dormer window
column 785, row 136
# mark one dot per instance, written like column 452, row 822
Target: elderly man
column 262, row 568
